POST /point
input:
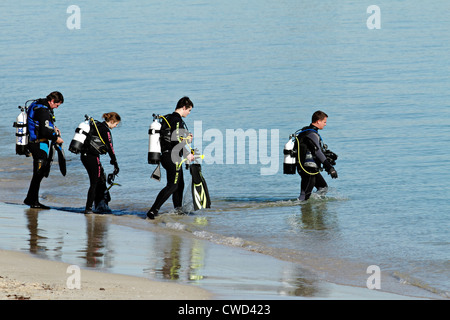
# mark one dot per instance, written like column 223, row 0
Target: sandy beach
column 23, row 277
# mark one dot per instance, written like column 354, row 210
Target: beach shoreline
column 34, row 274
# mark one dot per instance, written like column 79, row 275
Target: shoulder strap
column 165, row 119
column 98, row 132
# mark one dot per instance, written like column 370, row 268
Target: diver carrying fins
column 36, row 134
column 93, row 139
column 168, row 139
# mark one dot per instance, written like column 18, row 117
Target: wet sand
column 23, row 277
column 135, row 260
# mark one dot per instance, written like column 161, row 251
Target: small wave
column 230, row 241
column 249, row 203
column 263, row 202
column 408, row 280
column 176, row 226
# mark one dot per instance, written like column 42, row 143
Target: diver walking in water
column 173, row 138
column 42, row 131
column 312, row 154
column 99, row 142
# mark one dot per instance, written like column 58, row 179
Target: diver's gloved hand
column 333, row 173
column 330, row 169
column 116, row 167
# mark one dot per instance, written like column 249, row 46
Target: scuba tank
column 290, row 156
column 22, row 132
column 81, row 133
column 154, row 144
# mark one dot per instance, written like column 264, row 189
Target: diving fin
column 51, row 154
column 157, row 173
column 61, row 159
column 200, row 193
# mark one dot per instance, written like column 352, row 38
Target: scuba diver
column 99, row 142
column 312, row 154
column 42, row 130
column 173, row 139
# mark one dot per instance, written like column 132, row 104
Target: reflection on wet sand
column 35, row 238
column 96, row 252
column 172, row 263
column 176, row 267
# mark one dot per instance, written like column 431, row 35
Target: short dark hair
column 56, row 96
column 318, row 115
column 184, row 102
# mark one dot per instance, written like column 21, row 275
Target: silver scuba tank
column 81, row 133
column 154, row 144
column 22, row 132
column 290, row 156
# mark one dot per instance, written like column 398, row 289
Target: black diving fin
column 200, row 193
column 61, row 158
column 51, row 155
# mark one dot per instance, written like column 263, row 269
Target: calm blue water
column 258, row 65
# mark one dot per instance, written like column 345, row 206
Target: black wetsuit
column 311, row 143
column 172, row 148
column 42, row 130
column 90, row 158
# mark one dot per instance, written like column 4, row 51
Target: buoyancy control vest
column 313, row 152
column 96, row 143
column 307, row 148
column 34, row 125
column 173, row 131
